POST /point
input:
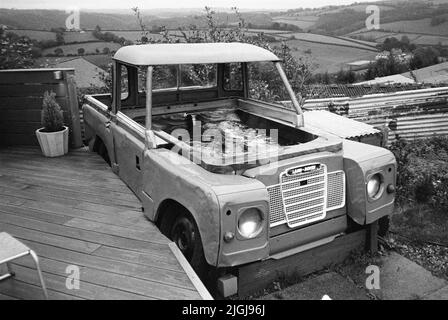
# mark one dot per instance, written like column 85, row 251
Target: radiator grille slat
column 306, row 197
column 336, row 184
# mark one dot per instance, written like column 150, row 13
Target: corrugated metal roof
column 338, row 125
column 191, row 53
column 415, row 114
column 433, row 74
column 396, row 78
column 316, row 91
column 86, row 73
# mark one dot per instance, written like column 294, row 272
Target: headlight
column 374, row 186
column 250, row 223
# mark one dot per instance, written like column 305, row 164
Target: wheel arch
column 98, row 145
column 167, row 212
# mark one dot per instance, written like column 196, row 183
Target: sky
column 153, row 4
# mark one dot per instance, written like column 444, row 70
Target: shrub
column 51, row 116
column 422, row 175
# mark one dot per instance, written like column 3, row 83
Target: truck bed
column 231, row 139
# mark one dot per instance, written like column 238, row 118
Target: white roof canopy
column 192, row 53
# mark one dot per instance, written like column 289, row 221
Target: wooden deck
column 74, row 211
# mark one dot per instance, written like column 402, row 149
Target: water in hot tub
column 222, row 133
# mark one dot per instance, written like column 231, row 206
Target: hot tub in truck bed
column 231, row 180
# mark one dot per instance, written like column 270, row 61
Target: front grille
column 305, row 197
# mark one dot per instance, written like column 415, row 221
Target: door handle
column 107, row 124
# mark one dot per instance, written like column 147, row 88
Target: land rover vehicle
column 227, row 208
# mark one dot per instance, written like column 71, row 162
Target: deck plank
column 80, row 234
column 38, row 211
column 153, row 291
column 74, row 210
column 57, row 283
column 54, row 184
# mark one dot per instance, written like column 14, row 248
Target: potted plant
column 53, row 136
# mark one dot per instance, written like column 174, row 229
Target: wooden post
column 76, row 137
column 372, row 237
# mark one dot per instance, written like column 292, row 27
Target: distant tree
column 393, row 43
column 81, row 51
column 156, row 29
column 106, row 50
column 424, row 56
column 59, row 52
column 385, row 67
column 322, row 78
column 36, row 52
column 60, row 38
column 345, row 76
column 15, row 52
column 435, row 21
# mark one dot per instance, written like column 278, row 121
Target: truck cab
column 231, row 179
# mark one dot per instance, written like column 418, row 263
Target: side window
column 198, row 75
column 164, row 77
column 265, row 83
column 124, row 83
column 233, row 76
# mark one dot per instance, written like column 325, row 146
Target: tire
column 185, row 234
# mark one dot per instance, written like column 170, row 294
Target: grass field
column 303, row 22
column 330, row 58
column 70, row 37
column 422, row 26
column 418, row 31
column 100, row 60
column 89, row 47
column 431, row 40
column 328, row 40
column 421, row 39
column 359, row 8
column 35, row 34
column 133, row 35
column 367, row 43
column 268, row 31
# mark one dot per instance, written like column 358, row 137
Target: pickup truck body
column 301, row 189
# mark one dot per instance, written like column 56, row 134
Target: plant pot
column 53, row 144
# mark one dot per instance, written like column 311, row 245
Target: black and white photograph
column 227, row 156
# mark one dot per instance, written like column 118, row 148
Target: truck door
column 128, row 141
column 129, row 148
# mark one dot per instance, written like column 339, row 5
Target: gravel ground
column 430, row 256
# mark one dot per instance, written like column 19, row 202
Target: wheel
column 185, row 234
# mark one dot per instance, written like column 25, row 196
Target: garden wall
column 21, row 93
